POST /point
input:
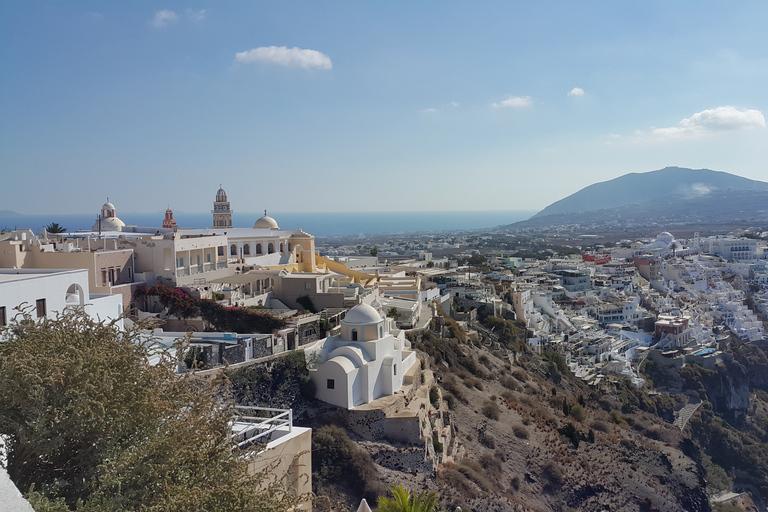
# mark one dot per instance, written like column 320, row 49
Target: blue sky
column 352, row 106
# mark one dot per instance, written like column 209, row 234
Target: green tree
column 54, row 227
column 90, row 422
column 375, row 250
column 392, row 313
column 477, row 260
column 673, row 246
column 404, row 500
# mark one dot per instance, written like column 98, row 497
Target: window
column 270, row 248
column 354, row 334
column 112, row 276
column 179, row 262
column 40, row 303
column 233, row 250
column 331, row 384
column 246, row 249
column 395, row 369
column 307, row 286
column 130, row 274
column 103, row 277
column 3, row 320
column 208, row 257
column 221, row 250
column 258, row 248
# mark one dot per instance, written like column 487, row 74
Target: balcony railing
column 255, row 424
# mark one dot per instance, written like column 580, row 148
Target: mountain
column 640, row 188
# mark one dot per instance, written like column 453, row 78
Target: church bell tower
column 222, row 215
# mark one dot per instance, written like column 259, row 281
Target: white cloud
column 429, row 110
column 283, row 56
column 163, row 18
column 576, row 91
column 454, row 103
column 195, row 15
column 708, row 122
column 514, row 102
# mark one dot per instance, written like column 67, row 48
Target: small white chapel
column 364, row 362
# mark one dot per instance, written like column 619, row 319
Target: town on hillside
column 359, row 311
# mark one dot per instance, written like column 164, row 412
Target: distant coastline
column 317, row 223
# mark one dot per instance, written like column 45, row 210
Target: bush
column 491, row 410
column 434, row 395
column 578, row 413
column 336, row 459
column 520, row 431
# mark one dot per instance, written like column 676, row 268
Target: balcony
column 258, row 424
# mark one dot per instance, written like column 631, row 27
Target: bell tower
column 222, row 215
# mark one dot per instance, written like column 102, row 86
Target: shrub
column 553, row 474
column 578, row 413
column 491, row 410
column 488, row 441
column 336, row 459
column 520, row 431
column 434, row 395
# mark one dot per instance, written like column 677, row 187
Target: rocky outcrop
column 726, row 387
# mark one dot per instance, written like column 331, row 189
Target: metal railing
column 255, row 424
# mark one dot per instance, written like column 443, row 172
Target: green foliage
column 559, row 362
column 392, row 313
column 616, row 418
column 578, row 412
column 513, row 334
column 407, row 501
column 278, row 383
column 717, row 478
column 306, row 302
column 434, row 395
column 89, row 421
column 477, row 260
column 571, row 432
column 220, row 318
column 54, row 228
column 336, row 459
column 195, row 358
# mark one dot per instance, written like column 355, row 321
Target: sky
column 369, row 106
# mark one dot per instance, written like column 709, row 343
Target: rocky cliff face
column 726, row 387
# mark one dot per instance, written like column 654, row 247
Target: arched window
column 247, row 249
column 258, row 249
column 233, row 250
column 281, row 247
column 354, row 334
column 289, row 246
column 270, row 248
column 75, row 296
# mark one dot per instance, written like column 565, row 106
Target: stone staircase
column 684, row 414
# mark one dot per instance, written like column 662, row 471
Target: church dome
column 666, row 237
column 108, row 206
column 362, row 314
column 109, row 224
column 266, row 222
column 221, row 196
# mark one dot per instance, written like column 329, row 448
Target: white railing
column 255, row 424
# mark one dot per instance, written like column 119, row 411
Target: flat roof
column 20, row 274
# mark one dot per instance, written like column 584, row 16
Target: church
column 363, row 363
column 265, row 244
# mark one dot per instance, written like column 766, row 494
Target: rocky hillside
column 527, row 435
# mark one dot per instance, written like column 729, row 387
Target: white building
column 363, row 363
column 48, row 292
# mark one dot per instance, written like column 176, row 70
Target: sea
column 319, row 224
